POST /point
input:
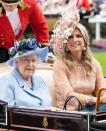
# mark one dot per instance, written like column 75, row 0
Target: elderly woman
column 77, row 73
column 22, row 87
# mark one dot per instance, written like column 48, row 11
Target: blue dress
column 16, row 93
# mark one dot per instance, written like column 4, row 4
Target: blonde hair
column 86, row 58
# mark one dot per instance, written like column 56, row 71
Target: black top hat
column 10, row 1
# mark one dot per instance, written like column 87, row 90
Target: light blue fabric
column 40, row 52
column 14, row 91
column 92, row 108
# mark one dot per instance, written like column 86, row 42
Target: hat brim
column 11, row 3
column 41, row 54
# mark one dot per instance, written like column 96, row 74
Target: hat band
column 10, row 1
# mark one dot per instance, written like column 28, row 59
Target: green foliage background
column 101, row 57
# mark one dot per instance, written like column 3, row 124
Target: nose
column 11, row 6
column 74, row 38
column 30, row 63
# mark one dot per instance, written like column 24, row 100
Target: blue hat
column 26, row 47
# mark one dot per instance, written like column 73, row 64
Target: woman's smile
column 76, row 41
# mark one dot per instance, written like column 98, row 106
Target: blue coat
column 14, row 91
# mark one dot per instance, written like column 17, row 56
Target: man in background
column 15, row 15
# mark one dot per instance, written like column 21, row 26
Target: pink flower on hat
column 64, row 26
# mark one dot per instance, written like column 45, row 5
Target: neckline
column 11, row 12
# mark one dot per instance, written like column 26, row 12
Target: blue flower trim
column 24, row 46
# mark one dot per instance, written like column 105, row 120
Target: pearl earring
column 84, row 48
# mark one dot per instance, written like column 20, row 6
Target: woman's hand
column 103, row 99
column 91, row 100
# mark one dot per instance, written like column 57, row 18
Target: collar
column 18, row 77
column 15, row 11
column 22, row 84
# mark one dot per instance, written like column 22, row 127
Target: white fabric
column 14, row 20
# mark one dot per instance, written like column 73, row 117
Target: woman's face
column 76, row 41
column 9, row 7
column 27, row 66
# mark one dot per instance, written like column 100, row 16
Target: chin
column 29, row 74
column 10, row 10
column 74, row 50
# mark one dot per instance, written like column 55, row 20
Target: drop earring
column 67, row 49
column 84, row 48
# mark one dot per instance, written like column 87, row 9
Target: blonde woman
column 77, row 73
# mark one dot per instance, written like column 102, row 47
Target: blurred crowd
column 94, row 7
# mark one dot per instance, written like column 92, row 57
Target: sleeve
column 7, row 90
column 38, row 23
column 100, row 81
column 86, row 5
column 61, row 83
column 63, row 87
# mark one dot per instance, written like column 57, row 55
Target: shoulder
column 39, row 81
column 7, row 81
column 95, row 62
column 59, row 64
column 31, row 2
column 25, row 4
column 37, row 77
column 6, row 77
